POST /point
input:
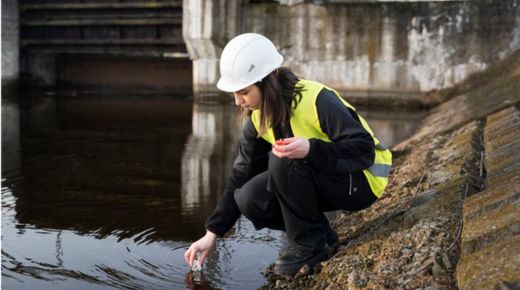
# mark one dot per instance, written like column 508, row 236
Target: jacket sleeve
column 251, row 160
column 352, row 147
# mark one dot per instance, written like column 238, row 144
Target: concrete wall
column 10, row 43
column 490, row 241
column 389, row 47
column 206, row 28
column 404, row 48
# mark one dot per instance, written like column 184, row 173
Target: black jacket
column 351, row 150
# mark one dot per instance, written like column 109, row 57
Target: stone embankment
column 451, row 215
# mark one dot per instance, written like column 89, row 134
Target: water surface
column 107, row 192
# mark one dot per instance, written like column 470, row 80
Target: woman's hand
column 203, row 246
column 292, row 148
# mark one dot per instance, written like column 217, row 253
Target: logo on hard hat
column 251, row 67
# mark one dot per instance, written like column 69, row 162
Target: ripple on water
column 105, row 201
column 107, row 263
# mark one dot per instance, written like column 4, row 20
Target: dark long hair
column 280, row 95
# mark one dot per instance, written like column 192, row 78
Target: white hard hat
column 245, row 60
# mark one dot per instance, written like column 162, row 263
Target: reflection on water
column 208, row 154
column 108, row 192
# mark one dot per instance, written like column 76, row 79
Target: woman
column 303, row 151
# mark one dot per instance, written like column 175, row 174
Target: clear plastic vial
column 196, row 267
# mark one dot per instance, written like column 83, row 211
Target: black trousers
column 292, row 196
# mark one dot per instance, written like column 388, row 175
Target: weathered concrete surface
column 493, row 267
column 493, row 90
column 490, row 242
column 451, row 215
column 499, row 220
column 206, row 28
column 10, row 42
column 387, row 49
column 502, row 158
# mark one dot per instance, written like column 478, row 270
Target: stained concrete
column 388, row 49
column 391, row 46
column 490, row 242
column 206, row 28
column 494, row 90
column 10, row 41
column 493, row 267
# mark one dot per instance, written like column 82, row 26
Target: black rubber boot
column 290, row 260
column 332, row 239
column 293, row 258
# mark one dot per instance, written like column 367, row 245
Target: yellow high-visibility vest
column 305, row 123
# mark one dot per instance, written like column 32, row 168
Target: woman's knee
column 252, row 194
column 243, row 200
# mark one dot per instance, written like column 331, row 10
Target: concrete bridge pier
column 206, row 28
column 10, row 43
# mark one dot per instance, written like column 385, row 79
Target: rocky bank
column 451, row 215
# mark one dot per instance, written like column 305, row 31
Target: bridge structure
column 94, row 45
column 384, row 50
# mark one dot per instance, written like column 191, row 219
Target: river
column 108, row 191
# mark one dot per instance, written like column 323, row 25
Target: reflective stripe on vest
column 381, row 170
column 305, row 123
column 378, row 169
